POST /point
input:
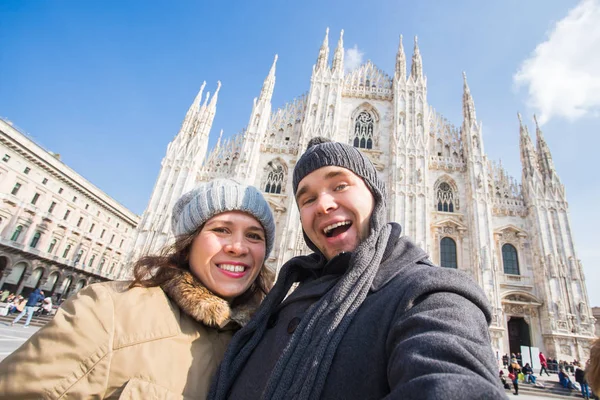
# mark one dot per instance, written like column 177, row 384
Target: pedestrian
column 503, row 380
column 4, row 295
column 505, row 360
column 544, row 364
column 371, row 316
column 514, row 369
column 47, row 306
column 163, row 334
column 583, row 384
column 35, row 297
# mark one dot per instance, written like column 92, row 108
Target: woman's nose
column 236, row 246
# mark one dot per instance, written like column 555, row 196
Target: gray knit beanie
column 322, row 152
column 208, row 199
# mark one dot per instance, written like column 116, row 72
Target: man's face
column 335, row 209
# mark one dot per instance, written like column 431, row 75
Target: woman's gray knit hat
column 208, row 199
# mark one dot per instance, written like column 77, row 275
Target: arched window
column 52, row 245
column 50, row 283
column 275, row 179
column 78, row 256
column 17, row 233
column 34, row 278
column 363, row 131
column 66, row 252
column 448, row 253
column 35, row 239
column 92, row 260
column 101, row 264
column 510, row 259
column 445, row 198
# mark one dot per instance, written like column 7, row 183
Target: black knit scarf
column 304, row 364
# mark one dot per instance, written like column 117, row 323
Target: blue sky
column 107, row 83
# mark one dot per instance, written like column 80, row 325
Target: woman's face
column 228, row 253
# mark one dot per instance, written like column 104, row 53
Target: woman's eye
column 219, row 230
column 341, row 186
column 255, row 236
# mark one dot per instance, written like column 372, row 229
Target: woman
column 528, row 372
column 18, row 305
column 163, row 334
column 514, row 369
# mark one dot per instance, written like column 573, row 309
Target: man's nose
column 325, row 203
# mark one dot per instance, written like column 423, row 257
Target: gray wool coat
column 421, row 333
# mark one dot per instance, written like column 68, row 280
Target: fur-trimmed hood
column 195, row 300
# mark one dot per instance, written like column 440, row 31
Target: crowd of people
column 366, row 315
column 571, row 375
column 35, row 304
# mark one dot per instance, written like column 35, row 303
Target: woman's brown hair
column 155, row 270
column 592, row 370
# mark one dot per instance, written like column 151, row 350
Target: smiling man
column 371, row 317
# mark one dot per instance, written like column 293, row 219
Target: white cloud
column 353, row 58
column 563, row 73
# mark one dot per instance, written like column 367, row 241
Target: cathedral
column 513, row 239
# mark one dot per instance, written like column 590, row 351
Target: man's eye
column 220, row 230
column 307, row 200
column 341, row 186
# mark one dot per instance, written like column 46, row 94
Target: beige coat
column 111, row 342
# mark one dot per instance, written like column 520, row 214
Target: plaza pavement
column 11, row 337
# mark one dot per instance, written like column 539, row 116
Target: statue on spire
column 400, row 61
column 338, row 56
column 416, row 71
column 267, row 90
column 213, row 101
column 528, row 160
column 468, row 103
column 323, row 53
column 188, row 121
column 544, row 155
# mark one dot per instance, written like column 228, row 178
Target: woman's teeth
column 232, row 268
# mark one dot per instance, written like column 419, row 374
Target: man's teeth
column 232, row 268
column 333, row 226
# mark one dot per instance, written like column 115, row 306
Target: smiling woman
column 173, row 321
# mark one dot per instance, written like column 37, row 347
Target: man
column 583, row 384
column 372, row 317
column 544, row 364
column 35, row 297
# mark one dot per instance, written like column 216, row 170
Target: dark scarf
column 195, row 300
column 304, row 364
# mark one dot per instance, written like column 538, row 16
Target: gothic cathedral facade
column 465, row 211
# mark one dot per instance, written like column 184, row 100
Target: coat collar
column 323, row 274
column 195, row 300
column 399, row 252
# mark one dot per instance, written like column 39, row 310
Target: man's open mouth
column 337, row 229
